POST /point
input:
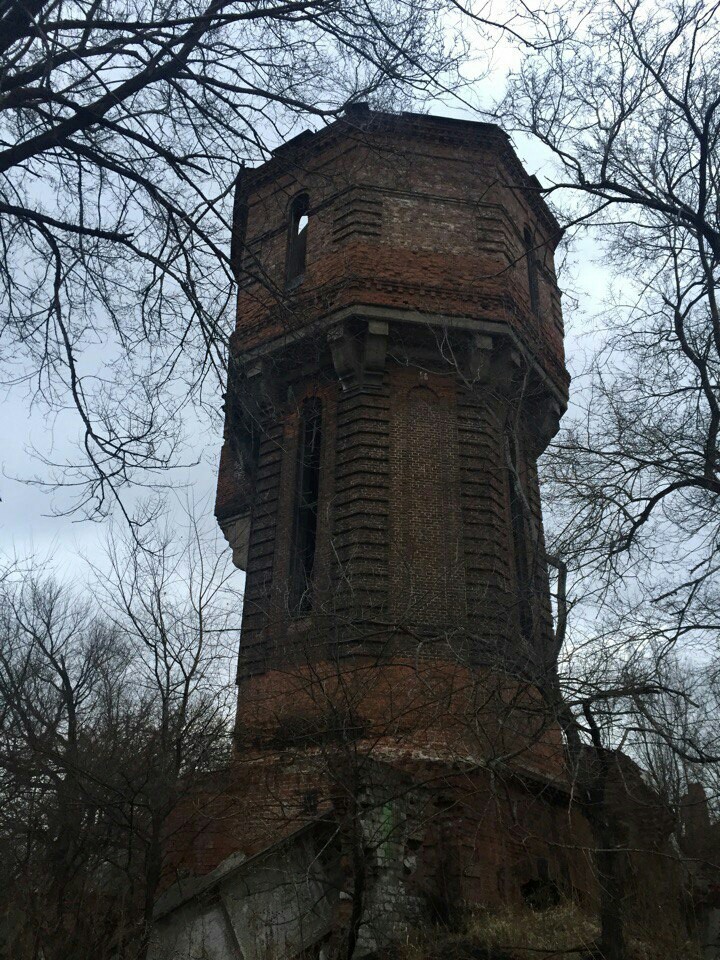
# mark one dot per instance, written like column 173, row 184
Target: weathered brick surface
column 401, row 705
column 450, row 204
column 422, row 222
column 407, row 691
column 408, row 214
column 438, row 834
column 414, row 527
column 427, row 575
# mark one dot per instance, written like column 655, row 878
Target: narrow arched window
column 306, row 506
column 532, row 270
column 297, row 240
column 519, row 530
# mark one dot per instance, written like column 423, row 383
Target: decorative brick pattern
column 427, row 570
column 485, row 519
column 362, row 506
column 357, row 214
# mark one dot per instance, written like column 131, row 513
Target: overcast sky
column 29, row 515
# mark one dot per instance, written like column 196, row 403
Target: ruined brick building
column 397, row 369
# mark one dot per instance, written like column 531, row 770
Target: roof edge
column 359, row 118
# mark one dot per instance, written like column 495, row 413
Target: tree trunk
column 592, row 774
column 612, row 889
column 359, row 871
column 153, row 868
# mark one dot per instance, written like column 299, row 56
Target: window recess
column 532, row 270
column 297, row 240
column 306, row 506
column 519, row 530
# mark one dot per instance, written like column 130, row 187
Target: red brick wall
column 403, row 705
column 427, row 566
column 414, row 532
column 404, row 222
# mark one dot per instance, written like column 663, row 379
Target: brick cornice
column 296, row 153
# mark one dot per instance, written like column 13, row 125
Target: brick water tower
column 397, row 369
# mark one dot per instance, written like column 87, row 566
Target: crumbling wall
column 269, row 906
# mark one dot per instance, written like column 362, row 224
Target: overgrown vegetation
column 514, row 933
column 113, row 700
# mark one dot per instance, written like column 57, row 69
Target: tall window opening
column 306, row 505
column 532, row 270
column 297, row 240
column 519, row 537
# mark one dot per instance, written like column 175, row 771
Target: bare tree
column 122, row 133
column 111, row 706
column 626, row 99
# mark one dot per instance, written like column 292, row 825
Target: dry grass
column 562, row 933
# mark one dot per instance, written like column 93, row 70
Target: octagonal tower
column 397, row 369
